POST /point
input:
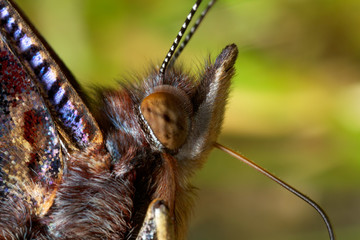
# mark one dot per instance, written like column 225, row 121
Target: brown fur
column 18, row 221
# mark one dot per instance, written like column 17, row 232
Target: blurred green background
column 294, row 106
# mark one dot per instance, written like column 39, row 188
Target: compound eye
column 167, row 112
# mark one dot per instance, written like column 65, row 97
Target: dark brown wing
column 30, row 156
column 38, row 108
column 72, row 117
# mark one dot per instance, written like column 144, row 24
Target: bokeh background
column 294, row 106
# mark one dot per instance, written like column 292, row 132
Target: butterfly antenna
column 191, row 33
column 283, row 184
column 178, row 38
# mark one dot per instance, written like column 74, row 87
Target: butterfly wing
column 73, row 119
column 30, row 156
column 39, row 109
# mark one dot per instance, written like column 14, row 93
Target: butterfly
column 119, row 168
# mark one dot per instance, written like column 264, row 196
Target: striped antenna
column 191, row 33
column 178, row 38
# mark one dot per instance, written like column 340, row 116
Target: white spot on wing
column 25, row 43
column 17, row 34
column 59, row 95
column 4, row 12
column 36, row 60
column 10, row 23
column 49, row 78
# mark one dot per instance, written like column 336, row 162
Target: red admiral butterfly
column 119, row 171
